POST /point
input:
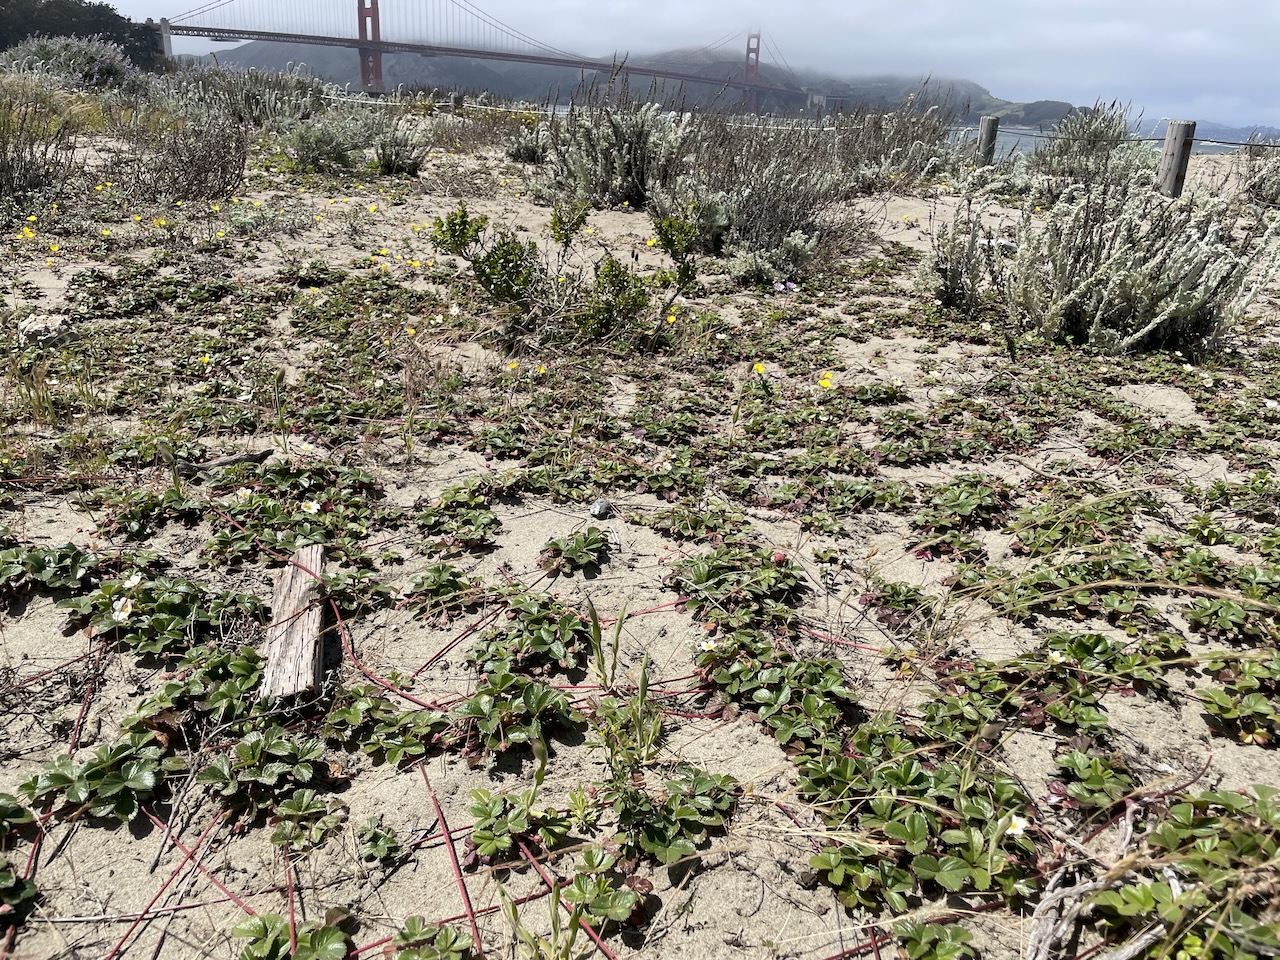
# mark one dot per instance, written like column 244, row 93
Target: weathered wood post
column 1178, row 141
column 457, row 102
column 987, row 130
column 293, row 640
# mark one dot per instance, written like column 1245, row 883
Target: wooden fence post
column 987, row 130
column 1178, row 141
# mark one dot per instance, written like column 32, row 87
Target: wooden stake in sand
column 1178, row 141
column 293, row 639
column 987, row 132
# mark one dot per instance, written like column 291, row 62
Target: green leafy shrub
column 510, row 270
column 547, row 295
column 458, row 232
column 617, row 301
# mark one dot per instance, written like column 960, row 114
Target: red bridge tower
column 370, row 57
column 751, row 72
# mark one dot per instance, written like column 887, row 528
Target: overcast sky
column 1185, row 59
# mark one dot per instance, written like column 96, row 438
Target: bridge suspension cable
column 207, row 8
column 695, row 56
column 511, row 32
column 778, row 57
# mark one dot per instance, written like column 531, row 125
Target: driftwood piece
column 293, row 639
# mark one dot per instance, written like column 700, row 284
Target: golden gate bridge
column 443, row 28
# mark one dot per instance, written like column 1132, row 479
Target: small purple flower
column 790, row 285
column 779, row 286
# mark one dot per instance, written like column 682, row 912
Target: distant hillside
column 537, row 83
column 969, row 100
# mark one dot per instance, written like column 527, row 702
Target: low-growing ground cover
column 666, row 616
